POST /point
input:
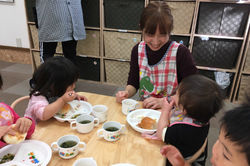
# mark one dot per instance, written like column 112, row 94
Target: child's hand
column 23, row 125
column 167, row 106
column 79, row 97
column 69, row 96
column 173, row 155
column 4, row 130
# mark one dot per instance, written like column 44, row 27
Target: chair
column 18, row 100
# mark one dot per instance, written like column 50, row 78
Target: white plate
column 136, row 116
column 29, row 153
column 78, row 107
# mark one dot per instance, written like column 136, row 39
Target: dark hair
column 1, row 82
column 200, row 96
column 235, row 123
column 157, row 13
column 53, row 77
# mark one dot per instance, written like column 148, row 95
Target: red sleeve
column 185, row 63
column 2, row 144
column 32, row 127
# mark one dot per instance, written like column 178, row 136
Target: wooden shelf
column 92, row 28
column 115, row 59
column 227, row 1
column 218, row 37
column 179, row 34
column 237, row 70
column 217, row 69
column 121, row 30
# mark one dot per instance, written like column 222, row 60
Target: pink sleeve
column 36, row 107
column 39, row 110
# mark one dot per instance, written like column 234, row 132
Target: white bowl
column 40, row 152
column 85, row 162
column 135, row 117
column 78, row 107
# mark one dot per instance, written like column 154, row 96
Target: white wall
column 13, row 28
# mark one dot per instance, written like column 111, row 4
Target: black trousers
column 48, row 49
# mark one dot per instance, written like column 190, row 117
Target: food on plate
column 75, row 116
column 148, row 123
column 65, row 109
column 6, row 158
column 16, row 138
column 77, row 106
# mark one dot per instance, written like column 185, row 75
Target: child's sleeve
column 2, row 144
column 36, row 107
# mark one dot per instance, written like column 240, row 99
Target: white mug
column 84, row 123
column 129, row 105
column 111, row 131
column 100, row 112
column 68, row 146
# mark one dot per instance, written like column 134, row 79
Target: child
column 54, row 83
column 233, row 145
column 157, row 64
column 8, row 117
column 198, row 99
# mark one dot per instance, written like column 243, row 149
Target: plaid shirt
column 163, row 75
column 60, row 20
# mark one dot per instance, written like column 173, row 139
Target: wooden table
column 130, row 148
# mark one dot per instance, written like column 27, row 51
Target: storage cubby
column 120, row 14
column 91, row 13
column 224, row 19
column 116, row 72
column 183, row 15
column 211, row 74
column 242, row 85
column 218, row 53
column 118, row 45
column 214, row 31
column 91, row 45
column 89, row 68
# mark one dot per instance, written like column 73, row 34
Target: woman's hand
column 23, row 125
column 121, row 95
column 153, row 103
column 173, row 155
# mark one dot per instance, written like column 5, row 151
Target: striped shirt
column 60, row 20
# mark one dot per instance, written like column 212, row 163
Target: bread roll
column 14, row 139
column 147, row 123
column 65, row 109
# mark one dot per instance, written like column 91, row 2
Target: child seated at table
column 8, row 117
column 186, row 127
column 53, row 87
column 233, row 145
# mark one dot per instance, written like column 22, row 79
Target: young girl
column 233, row 145
column 8, row 117
column 157, row 64
column 198, row 99
column 54, row 83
